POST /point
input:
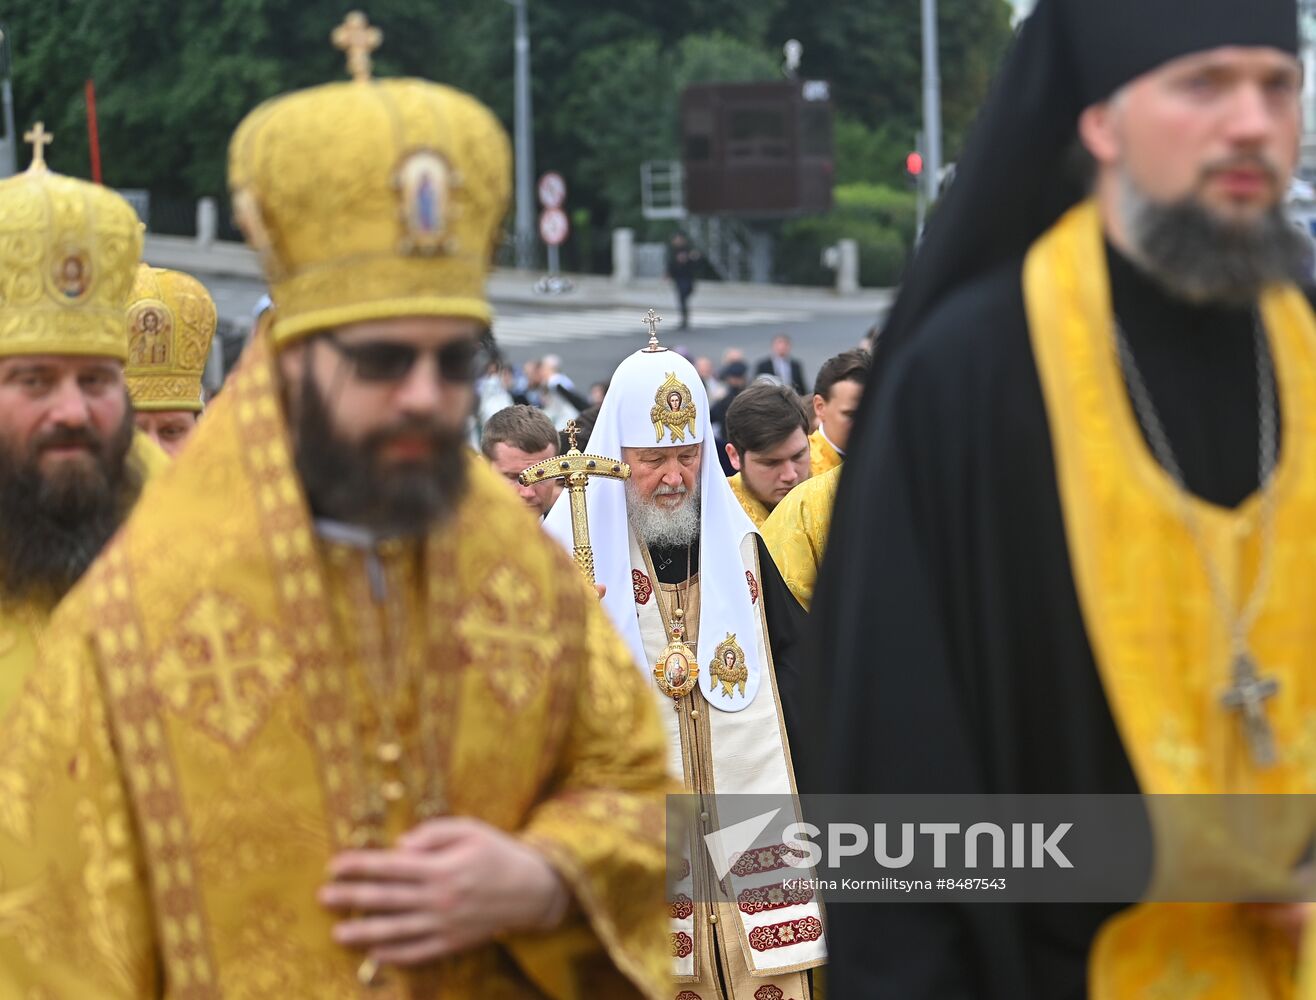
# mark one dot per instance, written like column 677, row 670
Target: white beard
column 656, row 526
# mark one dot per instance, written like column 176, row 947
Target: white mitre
column 641, row 411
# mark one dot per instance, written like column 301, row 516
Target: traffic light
column 914, row 168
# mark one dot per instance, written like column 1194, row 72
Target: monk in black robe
column 955, row 655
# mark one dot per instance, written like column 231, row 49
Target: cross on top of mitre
column 651, row 320
column 358, row 39
column 39, row 139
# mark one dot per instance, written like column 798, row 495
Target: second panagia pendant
column 677, row 670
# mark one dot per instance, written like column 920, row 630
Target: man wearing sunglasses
column 365, row 725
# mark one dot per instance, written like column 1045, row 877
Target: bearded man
column 1075, row 552
column 70, row 466
column 268, row 754
column 720, row 640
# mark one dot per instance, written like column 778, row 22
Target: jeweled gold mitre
column 68, row 252
column 171, row 321
column 371, row 199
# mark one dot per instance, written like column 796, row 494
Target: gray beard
column 1200, row 258
column 660, row 528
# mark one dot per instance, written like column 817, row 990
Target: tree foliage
column 174, row 77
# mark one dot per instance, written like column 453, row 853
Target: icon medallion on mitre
column 673, row 410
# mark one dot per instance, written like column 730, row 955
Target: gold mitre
column 68, row 250
column 371, row 199
column 171, row 321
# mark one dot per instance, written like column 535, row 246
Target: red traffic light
column 914, row 164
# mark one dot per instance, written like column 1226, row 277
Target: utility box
column 758, row 150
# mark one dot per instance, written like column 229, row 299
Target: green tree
column 872, row 54
column 622, row 108
column 174, row 77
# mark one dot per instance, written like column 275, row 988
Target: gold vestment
column 208, row 730
column 822, row 456
column 796, row 532
column 1161, row 645
column 752, row 505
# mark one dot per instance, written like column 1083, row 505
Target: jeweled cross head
column 651, row 320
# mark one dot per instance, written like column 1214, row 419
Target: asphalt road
column 589, row 360
column 591, row 341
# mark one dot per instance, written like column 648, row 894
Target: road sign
column 552, row 190
column 553, row 226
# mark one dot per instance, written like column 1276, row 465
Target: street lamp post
column 931, row 103
column 525, row 143
column 8, row 156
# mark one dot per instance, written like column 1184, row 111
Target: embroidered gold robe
column 753, row 507
column 22, row 625
column 208, row 731
column 822, row 456
column 796, row 532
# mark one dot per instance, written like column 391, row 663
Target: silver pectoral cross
column 1247, row 695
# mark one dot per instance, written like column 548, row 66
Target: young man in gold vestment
column 796, row 532
column 767, row 431
column 1076, row 555
column 836, row 395
column 70, row 466
column 363, row 725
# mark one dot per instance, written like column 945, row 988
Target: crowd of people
column 378, row 669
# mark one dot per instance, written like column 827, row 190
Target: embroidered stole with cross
column 1160, row 644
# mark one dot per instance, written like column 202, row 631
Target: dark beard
column 62, row 520
column 1201, row 258
column 347, row 482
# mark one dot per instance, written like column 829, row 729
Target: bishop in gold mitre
column 171, row 322
column 364, row 724
column 70, row 466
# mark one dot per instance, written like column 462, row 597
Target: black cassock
column 952, row 653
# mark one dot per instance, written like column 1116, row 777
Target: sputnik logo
column 730, row 842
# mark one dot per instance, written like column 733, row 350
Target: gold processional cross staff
column 577, row 470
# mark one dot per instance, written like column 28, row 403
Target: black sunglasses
column 386, row 361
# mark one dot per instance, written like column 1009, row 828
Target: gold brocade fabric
column 796, row 532
column 171, row 322
column 22, row 625
column 1160, row 643
column 757, row 511
column 200, row 740
column 822, row 456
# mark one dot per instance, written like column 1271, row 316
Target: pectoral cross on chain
column 1247, row 695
